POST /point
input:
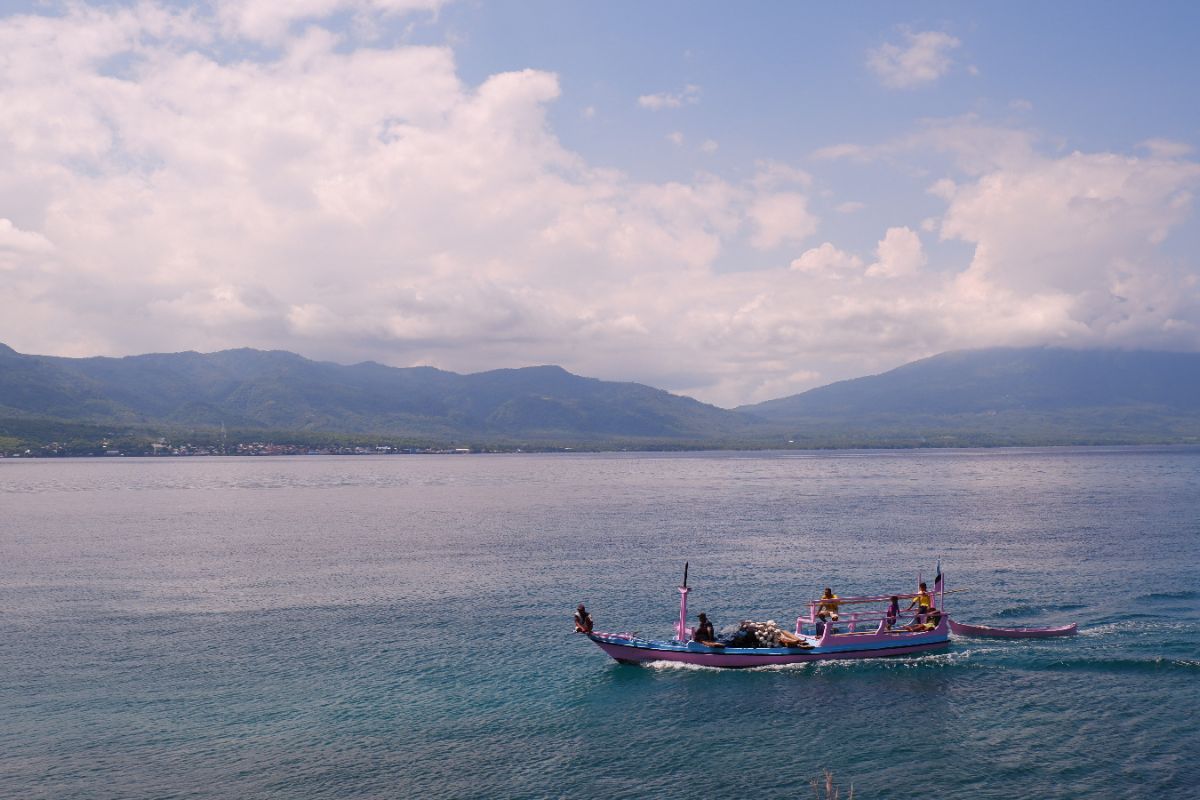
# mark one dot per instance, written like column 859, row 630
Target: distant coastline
column 261, row 403
column 214, row 443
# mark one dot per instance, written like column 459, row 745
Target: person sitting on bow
column 583, row 620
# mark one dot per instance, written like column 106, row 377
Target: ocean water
column 401, row 626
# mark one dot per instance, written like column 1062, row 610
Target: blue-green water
column 400, row 627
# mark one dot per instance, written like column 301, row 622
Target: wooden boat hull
column 962, row 629
column 632, row 650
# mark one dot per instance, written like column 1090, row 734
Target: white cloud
column 775, row 174
column 843, row 150
column 269, row 20
column 348, row 200
column 1166, row 148
column 222, row 304
column 976, row 146
column 944, row 188
column 21, row 249
column 779, row 218
column 675, row 138
column 1084, row 230
column 921, row 59
column 782, row 383
column 16, row 240
column 899, row 254
column 688, row 96
column 1061, row 222
column 827, row 260
column 849, row 207
column 708, row 146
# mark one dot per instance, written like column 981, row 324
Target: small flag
column 937, row 580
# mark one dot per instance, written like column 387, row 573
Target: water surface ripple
column 399, row 626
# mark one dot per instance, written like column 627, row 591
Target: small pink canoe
column 962, row 629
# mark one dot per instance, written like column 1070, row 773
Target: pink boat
column 962, row 629
column 629, row 649
column 861, row 633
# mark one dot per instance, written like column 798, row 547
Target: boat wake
column 1140, row 626
column 927, row 661
column 1148, row 598
column 956, row 658
column 681, row 666
column 1029, row 611
column 1125, row 665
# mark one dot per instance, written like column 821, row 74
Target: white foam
column 892, row 662
column 682, row 665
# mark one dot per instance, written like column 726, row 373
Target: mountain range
column 281, row 391
column 1038, row 395
column 985, row 397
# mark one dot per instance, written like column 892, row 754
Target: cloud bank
column 351, row 199
column 921, row 59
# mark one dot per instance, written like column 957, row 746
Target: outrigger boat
column 861, row 633
column 963, row 629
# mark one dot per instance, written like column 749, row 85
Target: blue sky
column 736, row 203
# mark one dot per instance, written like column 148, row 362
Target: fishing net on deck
column 749, row 633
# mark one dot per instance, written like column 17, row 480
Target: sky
column 731, row 202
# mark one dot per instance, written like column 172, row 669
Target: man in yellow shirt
column 922, row 602
column 828, row 604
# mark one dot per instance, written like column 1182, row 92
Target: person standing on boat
column 583, row 620
column 828, row 604
column 922, row 602
column 704, row 631
column 893, row 613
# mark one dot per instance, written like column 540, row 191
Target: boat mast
column 941, row 588
column 681, row 628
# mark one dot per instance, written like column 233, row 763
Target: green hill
column 1008, row 396
column 1029, row 396
column 253, row 389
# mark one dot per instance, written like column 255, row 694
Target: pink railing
column 860, row 621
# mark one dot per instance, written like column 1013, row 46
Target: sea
column 400, row 626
